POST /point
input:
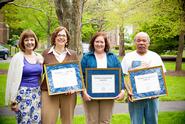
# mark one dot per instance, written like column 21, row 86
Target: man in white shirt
column 142, row 57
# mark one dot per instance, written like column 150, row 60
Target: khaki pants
column 98, row 111
column 52, row 105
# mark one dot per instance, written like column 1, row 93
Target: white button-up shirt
column 60, row 57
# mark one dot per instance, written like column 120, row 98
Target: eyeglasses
column 61, row 35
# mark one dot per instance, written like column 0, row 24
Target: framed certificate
column 63, row 77
column 147, row 82
column 103, row 83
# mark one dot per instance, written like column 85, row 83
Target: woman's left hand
column 14, row 106
column 120, row 95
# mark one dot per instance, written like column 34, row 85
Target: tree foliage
column 163, row 23
column 162, row 20
column 95, row 18
column 37, row 15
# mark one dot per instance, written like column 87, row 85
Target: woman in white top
column 23, row 81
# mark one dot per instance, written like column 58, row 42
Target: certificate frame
column 65, row 68
column 100, row 72
column 159, row 84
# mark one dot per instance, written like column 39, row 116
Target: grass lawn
column 4, row 66
column 175, row 87
column 171, row 65
column 2, row 89
column 164, row 118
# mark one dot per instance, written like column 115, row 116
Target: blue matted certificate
column 103, row 83
column 63, row 77
column 147, row 82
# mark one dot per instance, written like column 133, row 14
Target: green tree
column 105, row 15
column 90, row 23
column 94, row 17
column 118, row 15
column 38, row 15
column 165, row 21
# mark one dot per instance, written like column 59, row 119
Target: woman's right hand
column 14, row 106
column 130, row 96
column 86, row 96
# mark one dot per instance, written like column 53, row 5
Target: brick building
column 4, row 30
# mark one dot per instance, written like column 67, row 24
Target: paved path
column 119, row 108
column 5, row 61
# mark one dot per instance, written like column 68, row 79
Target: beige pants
column 52, row 105
column 98, row 111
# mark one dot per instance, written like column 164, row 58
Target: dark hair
column 26, row 34
column 55, row 33
column 107, row 46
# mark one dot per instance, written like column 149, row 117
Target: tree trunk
column 180, row 52
column 121, row 43
column 181, row 39
column 69, row 13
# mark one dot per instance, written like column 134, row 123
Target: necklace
column 30, row 58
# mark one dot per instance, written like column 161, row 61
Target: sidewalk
column 119, row 108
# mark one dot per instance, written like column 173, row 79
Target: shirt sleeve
column 124, row 65
column 157, row 61
column 160, row 60
column 118, row 64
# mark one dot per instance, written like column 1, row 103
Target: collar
column 142, row 54
column 52, row 50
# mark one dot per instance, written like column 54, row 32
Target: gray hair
column 142, row 34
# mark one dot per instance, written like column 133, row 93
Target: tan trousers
column 52, row 105
column 98, row 111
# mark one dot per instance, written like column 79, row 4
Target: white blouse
column 60, row 57
column 101, row 63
